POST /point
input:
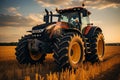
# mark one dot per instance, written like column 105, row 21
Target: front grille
column 37, row 31
column 36, row 35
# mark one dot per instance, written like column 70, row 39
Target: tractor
column 68, row 35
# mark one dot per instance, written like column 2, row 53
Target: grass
column 11, row 70
column 87, row 72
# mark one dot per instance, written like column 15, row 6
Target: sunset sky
column 19, row 16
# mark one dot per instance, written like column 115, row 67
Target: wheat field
column 7, row 53
column 10, row 69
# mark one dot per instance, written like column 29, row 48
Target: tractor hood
column 58, row 25
column 55, row 29
column 40, row 28
column 51, row 29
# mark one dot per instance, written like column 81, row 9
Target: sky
column 19, row 16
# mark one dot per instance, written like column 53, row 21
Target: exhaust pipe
column 51, row 16
column 46, row 17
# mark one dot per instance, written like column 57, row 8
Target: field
column 10, row 69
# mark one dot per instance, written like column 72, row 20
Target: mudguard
column 72, row 30
column 90, row 30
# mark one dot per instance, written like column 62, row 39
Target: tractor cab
column 77, row 16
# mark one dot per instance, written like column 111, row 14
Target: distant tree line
column 112, row 44
column 8, row 44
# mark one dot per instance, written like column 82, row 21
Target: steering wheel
column 73, row 22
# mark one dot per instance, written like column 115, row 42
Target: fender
column 72, row 30
column 90, row 30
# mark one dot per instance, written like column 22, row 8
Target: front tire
column 23, row 54
column 69, row 50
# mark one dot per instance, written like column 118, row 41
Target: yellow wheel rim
column 74, row 54
column 35, row 57
column 100, row 47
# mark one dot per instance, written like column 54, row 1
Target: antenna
column 83, row 3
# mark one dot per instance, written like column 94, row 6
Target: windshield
column 70, row 17
column 85, row 21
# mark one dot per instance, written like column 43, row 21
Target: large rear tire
column 22, row 52
column 69, row 50
column 96, row 47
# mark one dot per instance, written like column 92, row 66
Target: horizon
column 17, row 42
column 17, row 17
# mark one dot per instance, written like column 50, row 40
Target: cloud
column 56, row 3
column 114, row 1
column 14, row 11
column 102, row 4
column 16, row 19
column 99, row 4
column 36, row 17
column 19, row 21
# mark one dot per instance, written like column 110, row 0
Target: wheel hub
column 34, row 50
column 75, row 53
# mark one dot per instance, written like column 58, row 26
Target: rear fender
column 90, row 31
column 63, row 30
column 72, row 30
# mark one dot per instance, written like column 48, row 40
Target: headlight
column 38, row 31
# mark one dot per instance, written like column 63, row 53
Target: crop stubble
column 10, row 69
